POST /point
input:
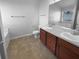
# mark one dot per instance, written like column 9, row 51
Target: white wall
column 54, row 14
column 0, row 56
column 78, row 18
column 43, row 13
column 19, row 25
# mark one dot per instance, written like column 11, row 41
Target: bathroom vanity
column 60, row 46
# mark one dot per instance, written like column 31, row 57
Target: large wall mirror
column 62, row 13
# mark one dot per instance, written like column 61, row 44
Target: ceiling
column 65, row 3
column 21, row 1
column 53, row 1
column 62, row 3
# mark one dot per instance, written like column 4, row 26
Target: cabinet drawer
column 50, row 35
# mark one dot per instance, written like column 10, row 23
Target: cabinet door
column 43, row 36
column 51, row 42
column 65, row 53
column 57, row 47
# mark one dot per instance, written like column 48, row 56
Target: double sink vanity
column 61, row 41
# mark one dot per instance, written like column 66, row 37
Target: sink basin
column 76, row 33
column 70, row 36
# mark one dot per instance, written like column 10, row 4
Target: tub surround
column 6, row 38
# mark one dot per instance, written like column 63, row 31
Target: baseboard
column 21, row 36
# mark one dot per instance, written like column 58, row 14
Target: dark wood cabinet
column 51, row 42
column 43, row 36
column 48, row 39
column 58, row 46
column 66, row 50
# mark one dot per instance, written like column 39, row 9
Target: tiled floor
column 28, row 48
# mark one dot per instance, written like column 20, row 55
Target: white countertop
column 58, row 30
